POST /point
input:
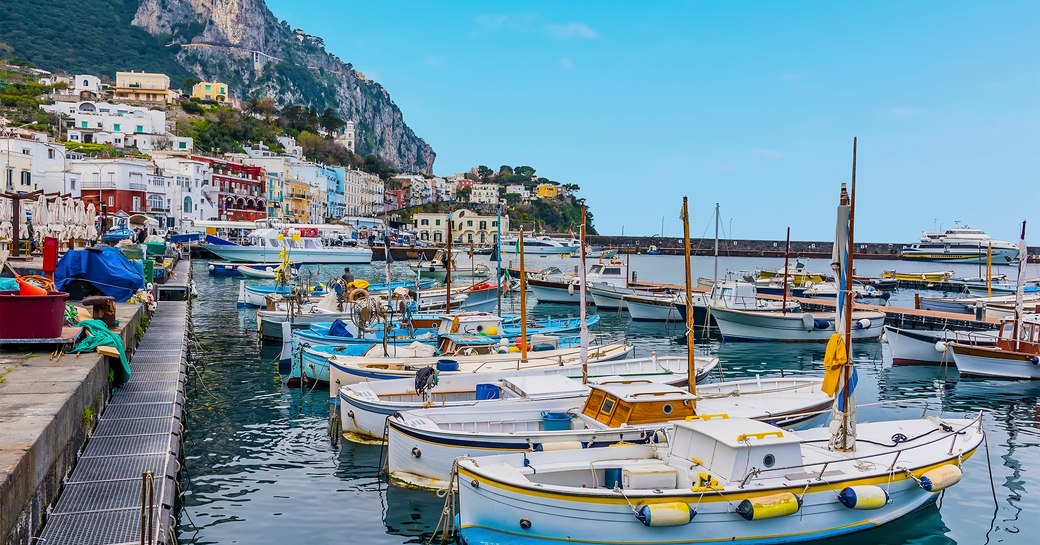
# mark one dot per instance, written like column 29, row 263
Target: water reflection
column 261, row 469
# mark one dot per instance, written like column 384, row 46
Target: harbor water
column 261, row 468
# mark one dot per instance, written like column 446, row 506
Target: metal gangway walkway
column 123, row 488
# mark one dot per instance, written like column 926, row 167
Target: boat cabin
column 635, row 402
column 269, row 238
column 612, row 272
column 1025, row 338
column 727, row 448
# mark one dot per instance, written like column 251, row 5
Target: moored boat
column 929, row 347
column 651, row 307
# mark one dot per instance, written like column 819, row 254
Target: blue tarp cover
column 105, row 267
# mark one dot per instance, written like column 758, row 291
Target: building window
column 137, row 204
column 84, row 124
column 469, row 223
column 424, row 222
column 50, row 153
column 438, row 222
column 26, row 177
column 140, row 128
column 182, row 145
column 115, row 127
column 483, row 226
column 111, row 201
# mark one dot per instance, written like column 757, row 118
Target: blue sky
column 752, row 105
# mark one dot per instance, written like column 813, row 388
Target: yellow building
column 547, row 191
column 210, row 90
column 143, row 87
column 296, row 201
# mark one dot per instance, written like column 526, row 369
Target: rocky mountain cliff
column 239, row 42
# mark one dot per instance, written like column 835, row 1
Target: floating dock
column 123, row 487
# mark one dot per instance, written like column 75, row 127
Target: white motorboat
column 540, row 245
column 265, row 245
column 424, row 444
column 732, row 294
column 553, row 286
column 365, row 406
column 652, row 307
column 962, row 244
column 718, row 480
column 756, row 325
column 929, row 347
column 257, row 271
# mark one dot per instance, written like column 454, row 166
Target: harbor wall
column 47, row 410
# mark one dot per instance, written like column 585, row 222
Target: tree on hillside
column 189, row 83
column 330, row 121
column 505, row 170
column 262, row 106
column 484, row 172
column 524, row 170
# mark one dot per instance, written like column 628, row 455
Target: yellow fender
column 666, row 514
column 768, row 507
column 941, row 478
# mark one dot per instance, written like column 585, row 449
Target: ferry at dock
column 961, row 244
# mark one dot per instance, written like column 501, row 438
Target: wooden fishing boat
column 929, row 347
column 365, row 406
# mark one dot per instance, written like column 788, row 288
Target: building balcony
column 134, row 186
column 94, row 184
column 158, row 209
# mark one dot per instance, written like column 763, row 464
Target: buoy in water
column 941, row 478
column 863, row 497
column 666, row 514
column 771, row 506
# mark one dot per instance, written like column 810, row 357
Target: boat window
column 666, row 408
column 608, row 405
column 727, row 292
column 595, row 269
column 612, row 270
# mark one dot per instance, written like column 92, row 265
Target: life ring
column 356, row 295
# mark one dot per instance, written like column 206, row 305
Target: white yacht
column 540, row 245
column 265, row 245
column 961, row 244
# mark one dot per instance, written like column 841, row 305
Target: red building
column 395, row 198
column 241, row 189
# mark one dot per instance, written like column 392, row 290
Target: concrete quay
column 47, row 409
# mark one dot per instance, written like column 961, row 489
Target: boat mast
column 498, row 255
column 584, row 354
column 845, row 440
column 715, row 274
column 447, row 271
column 523, row 298
column 691, row 371
column 787, row 257
column 989, row 271
column 1022, row 258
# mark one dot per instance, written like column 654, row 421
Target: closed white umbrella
column 6, row 215
column 90, row 232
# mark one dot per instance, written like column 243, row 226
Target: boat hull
column 252, row 254
column 1001, row 256
column 773, row 326
column 651, row 310
column 555, row 292
column 978, row 361
column 912, row 347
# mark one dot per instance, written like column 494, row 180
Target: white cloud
column 566, row 64
column 579, row 31
column 767, row 153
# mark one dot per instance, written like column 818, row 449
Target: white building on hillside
column 484, row 194
column 117, row 125
column 46, row 168
column 363, row 193
column 467, row 227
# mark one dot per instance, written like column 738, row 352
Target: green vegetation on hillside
column 220, row 129
column 79, row 37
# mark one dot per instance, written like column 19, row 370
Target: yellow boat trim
column 823, row 486
column 658, row 542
